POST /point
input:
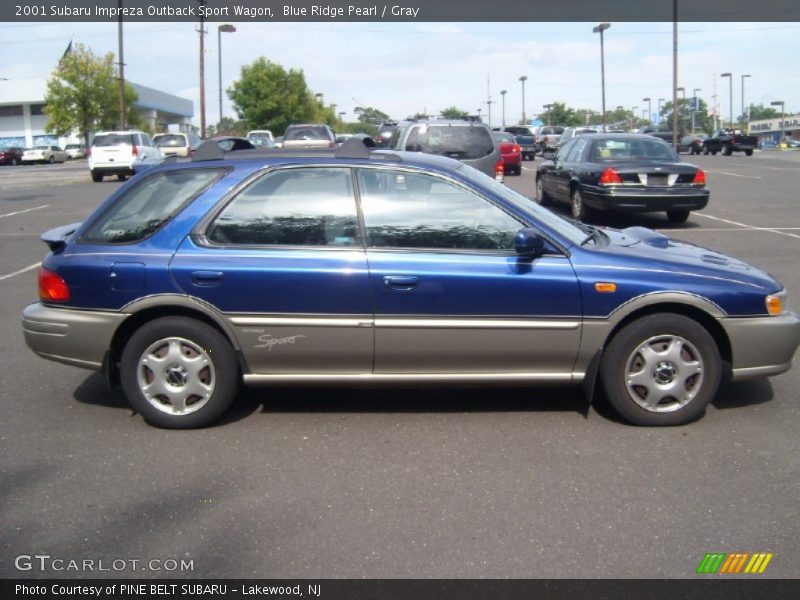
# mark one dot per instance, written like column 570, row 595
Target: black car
column 528, row 145
column 625, row 172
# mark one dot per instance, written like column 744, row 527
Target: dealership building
column 769, row 131
column 23, row 122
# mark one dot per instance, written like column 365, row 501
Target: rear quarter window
column 146, row 206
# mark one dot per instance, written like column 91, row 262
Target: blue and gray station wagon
column 359, row 266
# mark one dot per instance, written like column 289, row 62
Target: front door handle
column 400, row 282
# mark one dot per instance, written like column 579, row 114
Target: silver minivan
column 468, row 141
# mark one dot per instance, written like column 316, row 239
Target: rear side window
column 292, row 207
column 113, row 139
column 306, row 132
column 149, row 204
column 456, row 141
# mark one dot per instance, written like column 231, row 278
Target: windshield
column 558, row 224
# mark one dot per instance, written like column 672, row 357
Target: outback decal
column 267, row 341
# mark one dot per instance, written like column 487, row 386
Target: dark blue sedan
column 364, row 267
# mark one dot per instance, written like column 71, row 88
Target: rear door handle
column 400, row 282
column 206, row 277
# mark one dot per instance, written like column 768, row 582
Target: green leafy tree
column 370, row 116
column 561, row 114
column 227, row 126
column 759, row 112
column 453, row 112
column 83, row 95
column 267, row 96
column 702, row 122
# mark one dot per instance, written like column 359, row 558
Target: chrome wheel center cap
column 176, row 375
column 664, row 373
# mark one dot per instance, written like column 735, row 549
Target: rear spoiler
column 56, row 238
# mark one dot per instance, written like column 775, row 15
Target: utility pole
column 202, row 33
column 503, row 96
column 675, row 74
column 121, row 70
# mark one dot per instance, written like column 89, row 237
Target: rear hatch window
column 456, row 141
column 170, row 141
column 113, row 139
column 306, row 133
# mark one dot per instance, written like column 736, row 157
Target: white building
column 771, row 130
column 22, row 118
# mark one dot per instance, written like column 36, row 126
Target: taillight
column 515, row 149
column 134, row 151
column 52, row 288
column 499, row 171
column 545, row 140
column 191, row 150
column 699, row 178
column 609, row 176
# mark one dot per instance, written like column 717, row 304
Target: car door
column 283, row 261
column 568, row 167
column 451, row 295
column 555, row 183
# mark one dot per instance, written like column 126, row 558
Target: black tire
column 677, row 216
column 542, row 197
column 706, row 151
column 577, row 206
column 97, row 177
column 713, row 152
column 14, row 162
column 121, row 177
column 695, row 378
column 748, row 153
column 727, row 150
column 52, row 159
column 189, row 340
column 518, row 170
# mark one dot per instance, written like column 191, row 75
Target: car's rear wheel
column 748, row 153
column 14, row 162
column 179, row 373
column 578, row 209
column 706, row 151
column 677, row 216
column 727, row 150
column 121, row 177
column 97, row 177
column 662, row 369
column 52, row 159
column 713, row 152
column 542, row 197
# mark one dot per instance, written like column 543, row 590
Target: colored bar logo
column 734, row 563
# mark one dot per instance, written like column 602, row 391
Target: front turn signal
column 776, row 304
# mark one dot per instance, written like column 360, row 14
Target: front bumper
column 645, row 199
column 76, row 337
column 762, row 346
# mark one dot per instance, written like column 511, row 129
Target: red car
column 510, row 151
column 10, row 156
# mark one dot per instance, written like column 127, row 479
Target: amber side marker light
column 605, row 287
column 774, row 304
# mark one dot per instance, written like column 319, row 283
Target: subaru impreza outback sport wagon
column 355, row 267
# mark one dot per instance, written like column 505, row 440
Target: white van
column 121, row 153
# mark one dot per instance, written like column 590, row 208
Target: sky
column 405, row 68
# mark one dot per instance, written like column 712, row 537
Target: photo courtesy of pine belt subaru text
column 353, row 266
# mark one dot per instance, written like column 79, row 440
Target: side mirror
column 549, row 155
column 528, row 242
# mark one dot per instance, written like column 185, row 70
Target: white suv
column 122, row 153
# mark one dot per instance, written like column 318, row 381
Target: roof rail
column 352, row 148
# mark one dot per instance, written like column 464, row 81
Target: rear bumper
column 119, row 169
column 76, row 337
column 645, row 199
column 762, row 346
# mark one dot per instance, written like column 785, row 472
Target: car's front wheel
column 179, row 373
column 662, row 369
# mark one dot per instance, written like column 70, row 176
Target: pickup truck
column 729, row 141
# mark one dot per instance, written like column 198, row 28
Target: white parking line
column 19, row 212
column 734, row 174
column 779, row 232
column 21, row 271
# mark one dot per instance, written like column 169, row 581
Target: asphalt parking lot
column 334, row 483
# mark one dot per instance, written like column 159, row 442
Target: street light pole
column 121, row 71
column 220, row 30
column 523, row 79
column 600, row 29
column 649, row 109
column 658, row 110
column 548, row 107
column 202, row 33
column 730, row 91
column 633, row 117
column 503, row 96
column 745, row 116
column 682, row 90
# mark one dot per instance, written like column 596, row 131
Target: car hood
column 651, row 249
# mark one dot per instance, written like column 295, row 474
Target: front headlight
column 777, row 304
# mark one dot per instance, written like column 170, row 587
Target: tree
column 560, row 114
column 227, row 126
column 702, row 122
column 452, row 112
column 760, row 112
column 83, row 95
column 370, row 116
column 267, row 96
